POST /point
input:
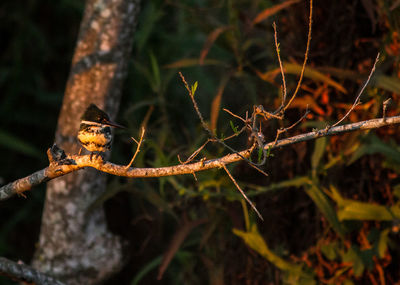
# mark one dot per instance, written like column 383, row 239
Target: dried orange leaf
column 210, row 40
column 312, row 73
column 273, row 10
column 216, row 103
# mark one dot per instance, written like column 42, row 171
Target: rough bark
column 75, row 245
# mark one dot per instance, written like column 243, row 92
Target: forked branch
column 75, row 162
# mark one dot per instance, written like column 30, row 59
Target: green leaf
column 349, row 209
column 326, row 207
column 294, row 273
column 260, row 153
column 295, row 182
column 14, row 143
column 269, row 152
column 319, row 149
column 213, row 183
column 182, row 190
column 194, row 88
column 353, row 256
column 383, row 243
column 396, row 191
column 355, row 210
column 156, row 72
column 234, row 129
column 255, row 241
column 144, row 70
column 348, row 281
column 374, row 145
column 150, row 15
column 329, row 250
column 389, row 83
column 146, row 269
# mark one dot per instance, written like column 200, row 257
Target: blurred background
column 331, row 206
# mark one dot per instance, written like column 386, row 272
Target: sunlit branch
column 74, row 162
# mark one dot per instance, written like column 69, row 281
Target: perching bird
column 95, row 130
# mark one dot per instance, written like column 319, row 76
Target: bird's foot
column 97, row 155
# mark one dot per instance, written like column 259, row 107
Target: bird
column 95, row 131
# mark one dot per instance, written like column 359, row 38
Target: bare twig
column 357, row 101
column 236, row 116
column 195, row 153
column 283, row 130
column 305, row 59
column 196, row 107
column 259, row 110
column 213, row 137
column 241, row 191
column 284, row 92
column 137, row 148
column 262, row 163
column 135, row 140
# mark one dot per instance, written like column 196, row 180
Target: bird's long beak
column 115, row 125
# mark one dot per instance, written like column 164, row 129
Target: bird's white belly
column 94, row 140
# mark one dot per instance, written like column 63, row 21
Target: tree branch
column 25, row 273
column 76, row 162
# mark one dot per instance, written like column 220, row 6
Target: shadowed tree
column 75, row 245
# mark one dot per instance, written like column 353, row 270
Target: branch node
column 386, row 103
column 55, row 154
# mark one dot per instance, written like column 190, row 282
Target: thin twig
column 281, row 131
column 235, row 134
column 137, row 149
column 135, row 140
column 213, row 137
column 259, row 110
column 305, row 58
column 284, row 92
column 234, row 115
column 357, row 101
column 195, row 106
column 259, row 169
column 197, row 151
column 194, row 154
column 241, row 191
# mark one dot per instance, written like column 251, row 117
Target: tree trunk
column 75, row 245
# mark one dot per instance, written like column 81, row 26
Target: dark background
column 37, row 43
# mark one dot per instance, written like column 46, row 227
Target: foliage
column 331, row 206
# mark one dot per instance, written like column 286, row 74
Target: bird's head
column 94, row 114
